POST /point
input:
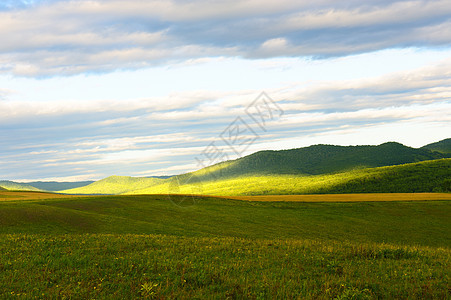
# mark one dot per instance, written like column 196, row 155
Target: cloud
column 42, row 38
column 98, row 138
column 427, row 85
column 4, row 93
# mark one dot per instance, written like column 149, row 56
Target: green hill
column 443, row 146
column 319, row 159
column 115, row 185
column 15, row 186
column 303, row 170
column 427, row 176
column 2, row 189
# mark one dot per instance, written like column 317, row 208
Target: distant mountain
column 443, row 146
column 15, row 186
column 318, row 159
column 55, row 186
column 115, row 185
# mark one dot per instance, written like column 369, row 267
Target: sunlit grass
column 116, row 185
column 29, row 195
column 369, row 197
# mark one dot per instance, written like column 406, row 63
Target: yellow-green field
column 373, row 197
column 348, row 197
column 358, row 246
column 15, row 196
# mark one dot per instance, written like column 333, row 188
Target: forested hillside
column 319, row 159
column 443, row 146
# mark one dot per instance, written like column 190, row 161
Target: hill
column 115, row 185
column 15, row 186
column 319, row 159
column 427, row 176
column 56, row 186
column 443, row 146
column 310, row 168
column 2, row 189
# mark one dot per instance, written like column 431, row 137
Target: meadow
column 370, row 197
column 97, row 266
column 147, row 247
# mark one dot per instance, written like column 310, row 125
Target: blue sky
column 90, row 89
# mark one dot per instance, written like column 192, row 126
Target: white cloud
column 426, row 85
column 90, row 126
column 4, row 93
column 396, row 13
column 162, row 135
column 72, row 37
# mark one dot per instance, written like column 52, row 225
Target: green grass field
column 147, row 247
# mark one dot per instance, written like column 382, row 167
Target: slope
column 319, row 159
column 443, row 146
column 215, row 217
column 11, row 185
column 313, row 160
column 427, row 176
column 115, row 185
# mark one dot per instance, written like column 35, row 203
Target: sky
column 90, row 89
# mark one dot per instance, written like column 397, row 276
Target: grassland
column 146, row 247
column 170, row 267
column 28, row 195
column 347, row 197
column 400, row 222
